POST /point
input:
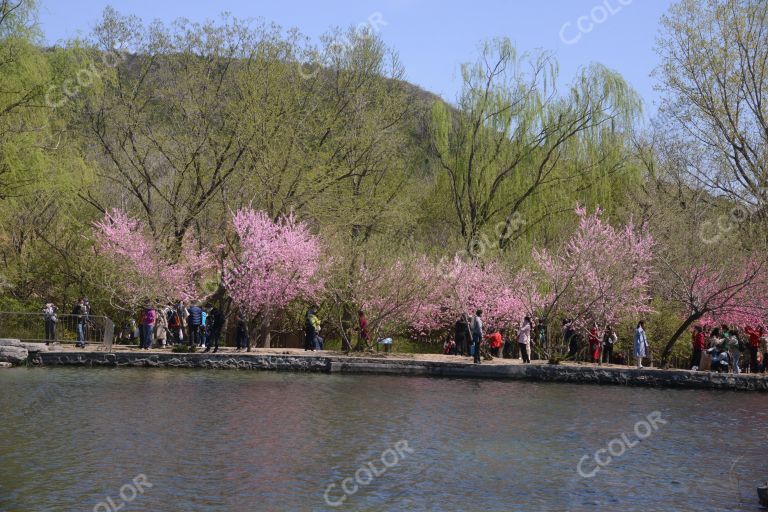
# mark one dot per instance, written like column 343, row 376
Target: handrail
column 33, row 327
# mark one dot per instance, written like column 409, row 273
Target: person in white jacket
column 524, row 339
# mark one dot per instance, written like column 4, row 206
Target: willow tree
column 510, row 135
column 714, row 76
column 25, row 74
column 37, row 166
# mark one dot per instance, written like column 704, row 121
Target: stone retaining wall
column 358, row 365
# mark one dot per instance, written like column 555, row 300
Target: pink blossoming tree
column 424, row 297
column 457, row 287
column 472, row 285
column 734, row 293
column 394, row 294
column 275, row 264
column 602, row 274
column 137, row 270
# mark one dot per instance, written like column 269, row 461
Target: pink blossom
column 601, row 274
column 276, row 264
column 139, row 271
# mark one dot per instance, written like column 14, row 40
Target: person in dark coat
column 243, row 336
column 310, row 329
column 462, row 335
column 476, row 328
column 214, row 326
column 195, row 324
column 570, row 338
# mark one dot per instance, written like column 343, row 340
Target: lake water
column 179, row 440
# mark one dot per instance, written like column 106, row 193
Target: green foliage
column 401, row 345
column 184, row 349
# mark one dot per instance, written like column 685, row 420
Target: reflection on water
column 228, row 440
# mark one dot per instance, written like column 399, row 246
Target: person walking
column 641, row 344
column 214, row 326
column 148, row 319
column 195, row 319
column 80, row 312
column 50, row 318
column 477, row 334
column 609, row 341
column 524, row 339
column 698, row 343
column 243, row 337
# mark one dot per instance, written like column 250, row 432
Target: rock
column 35, row 347
column 8, row 342
column 5, row 365
column 13, row 354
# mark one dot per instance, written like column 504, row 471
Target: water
column 229, row 441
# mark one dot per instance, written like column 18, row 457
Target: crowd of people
column 728, row 348
column 723, row 348
column 471, row 339
column 176, row 324
column 713, row 348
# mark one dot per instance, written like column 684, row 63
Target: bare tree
column 714, row 76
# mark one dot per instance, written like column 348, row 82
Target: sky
column 432, row 38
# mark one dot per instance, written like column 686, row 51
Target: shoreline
column 426, row 365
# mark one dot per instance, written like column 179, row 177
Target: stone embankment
column 394, row 364
column 16, row 352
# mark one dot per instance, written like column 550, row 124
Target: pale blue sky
column 432, row 37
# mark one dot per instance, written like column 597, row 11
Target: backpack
column 173, row 320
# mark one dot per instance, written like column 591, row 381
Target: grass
column 400, row 345
column 186, row 349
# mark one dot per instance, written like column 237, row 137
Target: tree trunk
column 265, row 334
column 671, row 343
column 346, row 328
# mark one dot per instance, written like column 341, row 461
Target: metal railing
column 33, row 327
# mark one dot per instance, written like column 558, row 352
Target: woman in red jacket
column 699, row 341
column 754, row 346
column 496, row 342
column 594, row 343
